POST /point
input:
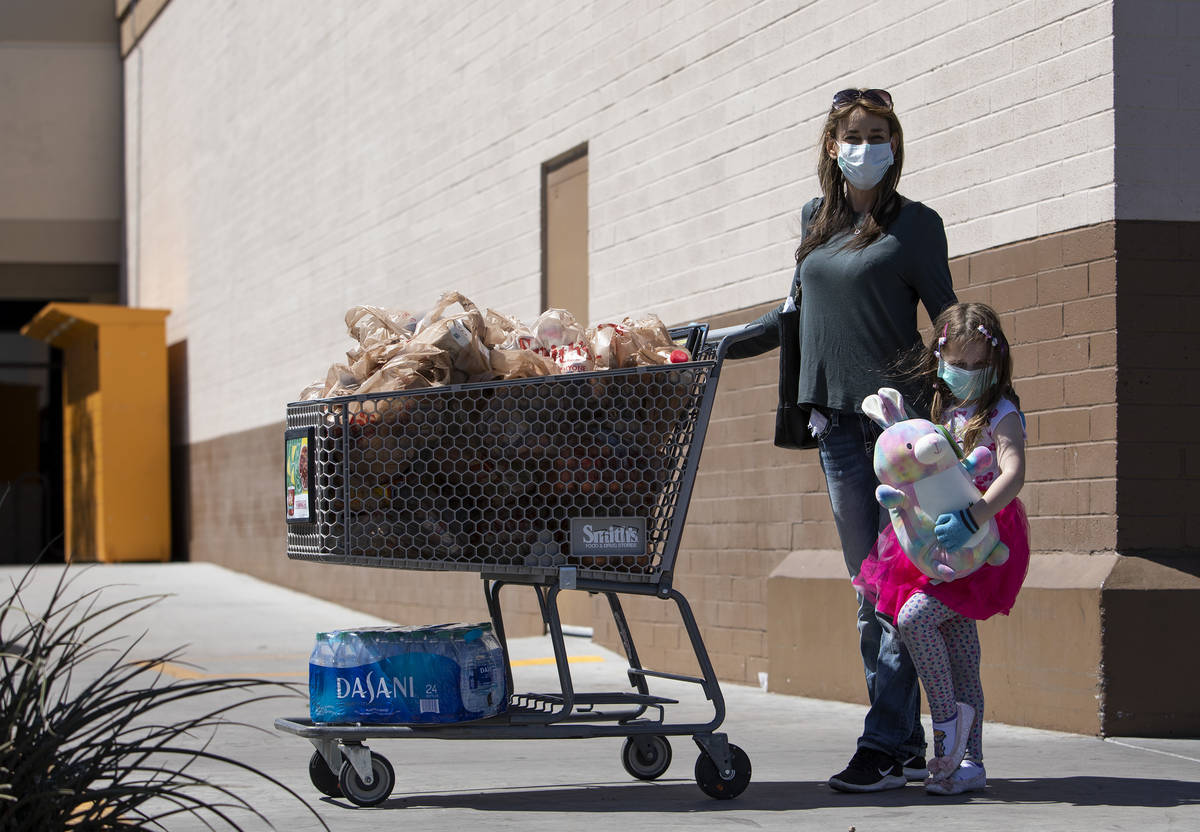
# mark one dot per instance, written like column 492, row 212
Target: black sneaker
column 915, row 768
column 869, row 771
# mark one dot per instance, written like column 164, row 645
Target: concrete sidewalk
column 236, row 625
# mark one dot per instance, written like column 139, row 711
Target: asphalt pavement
column 234, row 625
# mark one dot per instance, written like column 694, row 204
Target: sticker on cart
column 608, row 536
column 297, row 475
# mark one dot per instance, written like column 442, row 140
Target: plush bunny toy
column 922, row 477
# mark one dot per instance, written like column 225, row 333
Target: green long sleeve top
column 858, row 308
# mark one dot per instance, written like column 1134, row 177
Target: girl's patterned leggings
column 945, row 650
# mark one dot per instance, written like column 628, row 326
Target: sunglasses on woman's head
column 880, row 98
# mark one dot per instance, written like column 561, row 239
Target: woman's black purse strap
column 791, row 417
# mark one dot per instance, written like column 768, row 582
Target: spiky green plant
column 84, row 744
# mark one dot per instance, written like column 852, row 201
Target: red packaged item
column 572, row 358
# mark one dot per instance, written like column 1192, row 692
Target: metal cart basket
column 576, row 481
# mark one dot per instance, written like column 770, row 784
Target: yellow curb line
column 179, row 672
column 550, row 660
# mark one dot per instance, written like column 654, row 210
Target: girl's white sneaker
column 969, row 777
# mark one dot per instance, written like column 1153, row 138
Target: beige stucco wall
column 60, row 148
column 61, row 176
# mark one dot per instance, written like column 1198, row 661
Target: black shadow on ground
column 778, row 796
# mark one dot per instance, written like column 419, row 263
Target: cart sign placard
column 298, row 474
column 608, row 536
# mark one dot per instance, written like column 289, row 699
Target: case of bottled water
column 408, row 675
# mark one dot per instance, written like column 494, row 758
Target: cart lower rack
column 577, row 481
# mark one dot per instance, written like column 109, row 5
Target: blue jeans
column 893, row 723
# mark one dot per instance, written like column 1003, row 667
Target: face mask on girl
column 966, row 384
column 864, row 164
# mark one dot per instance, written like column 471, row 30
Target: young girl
column 970, row 368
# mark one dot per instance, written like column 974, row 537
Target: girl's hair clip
column 989, row 336
column 941, row 341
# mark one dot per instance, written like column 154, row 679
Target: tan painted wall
column 1040, row 665
column 61, row 176
column 60, row 156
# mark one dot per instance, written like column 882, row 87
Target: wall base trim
column 1081, row 651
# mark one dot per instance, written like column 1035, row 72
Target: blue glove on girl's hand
column 953, row 530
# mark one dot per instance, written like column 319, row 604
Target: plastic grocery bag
column 670, row 354
column 372, row 326
column 600, row 338
column 505, row 331
column 381, row 334
column 560, row 337
column 399, row 350
column 557, row 328
column 459, row 336
column 339, row 381
column 572, row 358
column 509, row 364
column 416, row 367
column 647, row 331
column 363, row 363
column 316, row 390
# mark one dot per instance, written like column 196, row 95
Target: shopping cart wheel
column 712, row 784
column 358, row 792
column 649, row 761
column 322, row 776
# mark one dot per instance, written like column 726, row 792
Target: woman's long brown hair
column 835, row 214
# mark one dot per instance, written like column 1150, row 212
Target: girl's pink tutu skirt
column 888, row 578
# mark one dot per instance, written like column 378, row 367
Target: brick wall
column 754, row 504
column 1057, row 302
column 1158, row 387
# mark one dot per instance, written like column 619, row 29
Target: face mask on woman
column 966, row 384
column 864, row 164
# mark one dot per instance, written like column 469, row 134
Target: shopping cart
column 577, row 481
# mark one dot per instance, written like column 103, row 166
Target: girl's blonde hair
column 835, row 213
column 962, row 323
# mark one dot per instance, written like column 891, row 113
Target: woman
column 866, row 257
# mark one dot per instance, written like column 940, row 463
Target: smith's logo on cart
column 615, row 534
column 608, row 536
column 371, row 688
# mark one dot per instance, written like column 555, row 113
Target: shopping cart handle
column 732, row 334
column 740, row 332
